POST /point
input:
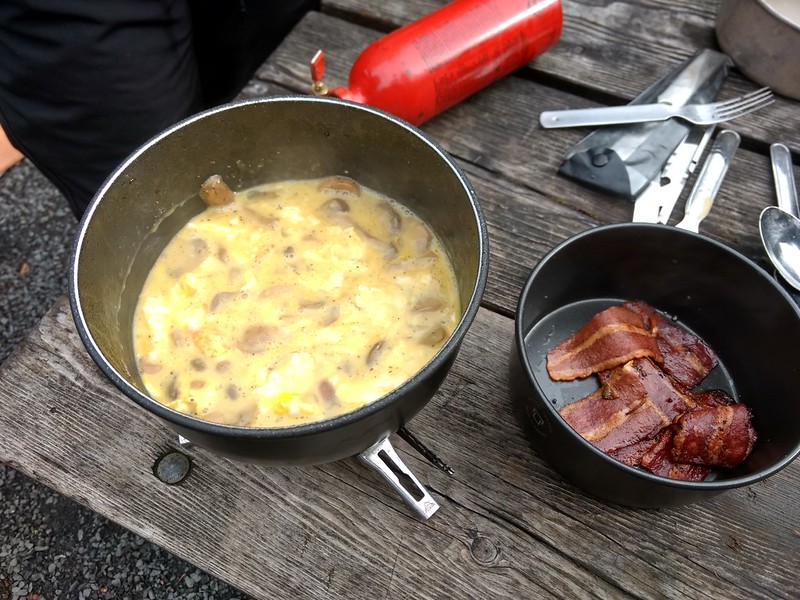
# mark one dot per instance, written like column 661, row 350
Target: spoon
column 779, row 225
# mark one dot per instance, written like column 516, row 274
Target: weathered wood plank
column 509, row 526
column 610, row 51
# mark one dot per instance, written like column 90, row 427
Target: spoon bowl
column 780, row 226
column 780, row 234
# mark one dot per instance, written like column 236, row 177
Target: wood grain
column 610, row 51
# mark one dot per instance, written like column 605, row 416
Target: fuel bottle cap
column 318, row 88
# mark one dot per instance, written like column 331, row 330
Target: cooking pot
column 763, row 39
column 745, row 316
column 155, row 192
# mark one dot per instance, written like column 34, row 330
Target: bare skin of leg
column 9, row 156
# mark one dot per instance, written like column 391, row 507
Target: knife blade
column 647, row 205
column 655, row 203
column 671, row 196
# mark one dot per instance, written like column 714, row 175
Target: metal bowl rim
column 519, row 336
column 449, row 349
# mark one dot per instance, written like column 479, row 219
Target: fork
column 700, row 114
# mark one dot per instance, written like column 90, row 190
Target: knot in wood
column 483, row 550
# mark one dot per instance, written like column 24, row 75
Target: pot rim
column 448, row 349
column 775, row 11
column 519, row 337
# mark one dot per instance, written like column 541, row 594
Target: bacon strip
column 655, row 453
column 711, row 398
column 687, row 358
column 635, row 402
column 658, row 460
column 719, row 436
column 661, row 390
column 632, row 454
column 611, row 338
column 645, row 414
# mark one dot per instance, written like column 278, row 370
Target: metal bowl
column 155, row 192
column 763, row 37
column 735, row 306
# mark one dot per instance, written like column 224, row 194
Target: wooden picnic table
column 509, row 525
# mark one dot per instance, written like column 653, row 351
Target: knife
column 655, row 203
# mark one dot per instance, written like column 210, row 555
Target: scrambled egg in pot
column 293, row 302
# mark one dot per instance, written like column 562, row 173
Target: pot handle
column 382, row 458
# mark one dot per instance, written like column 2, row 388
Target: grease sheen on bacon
column 636, row 401
column 687, row 358
column 659, row 461
column 646, row 413
column 716, row 436
column 611, row 338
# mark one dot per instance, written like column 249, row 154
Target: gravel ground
column 51, row 547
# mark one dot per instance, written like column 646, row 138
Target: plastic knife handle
column 700, row 201
column 784, row 179
column 606, row 115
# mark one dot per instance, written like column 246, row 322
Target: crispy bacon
column 717, row 436
column 711, row 398
column 645, row 413
column 660, row 389
column 611, row 338
column 632, row 454
column 635, row 402
column 659, row 460
column 656, row 453
column 687, row 358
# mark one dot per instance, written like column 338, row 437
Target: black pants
column 83, row 83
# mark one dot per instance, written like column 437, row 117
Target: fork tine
column 730, row 116
column 762, row 93
column 765, row 91
column 746, row 108
column 746, row 101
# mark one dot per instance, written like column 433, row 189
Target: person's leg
column 233, row 38
column 84, row 83
column 9, row 155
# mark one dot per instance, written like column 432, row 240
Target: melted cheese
column 298, row 302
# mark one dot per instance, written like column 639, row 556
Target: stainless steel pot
column 763, row 39
column 155, row 191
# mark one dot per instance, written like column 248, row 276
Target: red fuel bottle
column 427, row 66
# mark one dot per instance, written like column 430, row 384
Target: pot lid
column 787, row 11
